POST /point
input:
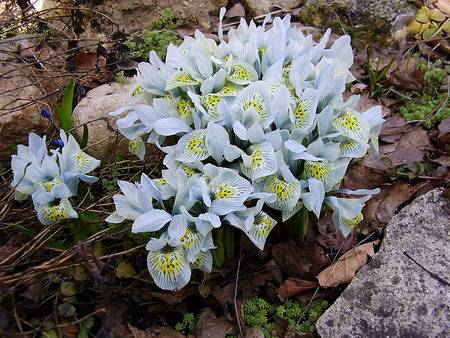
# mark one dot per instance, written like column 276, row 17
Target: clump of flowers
column 254, row 129
column 51, row 177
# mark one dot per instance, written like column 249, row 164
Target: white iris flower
column 252, row 126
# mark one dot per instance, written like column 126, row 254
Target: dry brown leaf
column 407, row 75
column 344, row 269
column 444, row 131
column 303, row 261
column 236, row 11
column 225, row 295
column 186, row 30
column 295, row 286
column 166, row 332
column 444, row 6
column 210, row 326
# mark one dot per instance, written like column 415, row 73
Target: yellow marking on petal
column 317, row 170
column 168, row 262
column 228, row 90
column 241, row 72
column 199, row 261
column 286, row 71
column 256, row 104
column 160, row 182
column 282, row 189
column 188, row 170
column 263, row 224
column 133, row 145
column 224, row 191
column 55, row 213
column 196, row 144
column 184, row 108
column 138, row 91
column 257, row 158
column 190, row 239
column 261, row 51
column 349, row 120
column 352, row 222
column 300, row 115
column 49, row 185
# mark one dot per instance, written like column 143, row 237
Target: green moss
column 259, row 313
column 188, row 324
column 157, row 37
column 433, row 105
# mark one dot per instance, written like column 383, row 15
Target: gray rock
column 104, row 141
column 404, row 291
column 381, row 20
column 260, row 7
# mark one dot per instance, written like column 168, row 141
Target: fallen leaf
column 295, row 286
column 69, row 289
column 163, row 332
column 330, row 237
column 444, row 131
column 407, row 75
column 125, row 270
column 444, row 6
column 236, row 11
column 246, row 286
column 303, row 261
column 344, row 269
column 210, row 326
column 186, row 30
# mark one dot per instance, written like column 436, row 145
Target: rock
column 23, row 91
column 104, row 142
column 404, row 291
column 261, row 7
column 210, row 326
column 381, row 19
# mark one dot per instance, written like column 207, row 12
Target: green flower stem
column 218, row 253
column 298, row 225
column 229, row 242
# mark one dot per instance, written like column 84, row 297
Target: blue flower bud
column 58, row 142
column 46, row 113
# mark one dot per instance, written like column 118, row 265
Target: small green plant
column 110, row 185
column 432, row 106
column 188, row 324
column 158, row 36
column 376, row 73
column 120, row 77
column 259, row 313
column 64, row 111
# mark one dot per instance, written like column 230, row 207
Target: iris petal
column 169, row 268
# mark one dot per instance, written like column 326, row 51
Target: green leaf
column 66, row 310
column 125, row 270
column 423, row 15
column 84, row 139
column 437, row 15
column 64, row 112
column 69, row 289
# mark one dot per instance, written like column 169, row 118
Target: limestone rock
column 23, row 91
column 404, row 291
column 380, row 19
column 261, row 7
column 104, row 141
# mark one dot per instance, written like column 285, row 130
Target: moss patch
column 259, row 313
column 432, row 106
column 157, row 37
